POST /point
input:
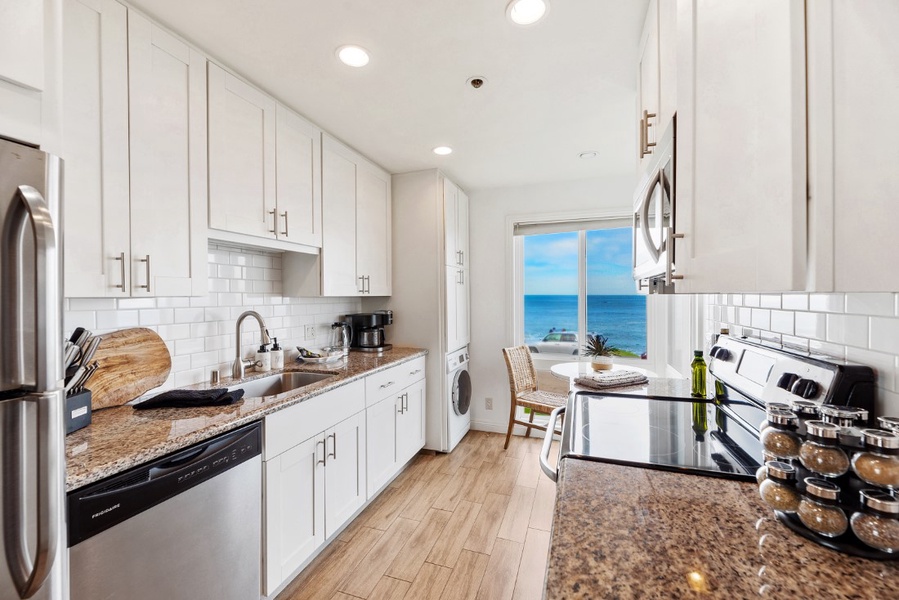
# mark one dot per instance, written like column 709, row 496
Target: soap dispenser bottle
column 263, row 359
column 277, row 355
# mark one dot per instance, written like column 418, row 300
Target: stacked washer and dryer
column 431, row 297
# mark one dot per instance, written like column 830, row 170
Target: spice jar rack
column 834, row 497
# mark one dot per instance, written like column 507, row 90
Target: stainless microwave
column 654, row 219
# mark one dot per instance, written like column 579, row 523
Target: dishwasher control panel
column 99, row 506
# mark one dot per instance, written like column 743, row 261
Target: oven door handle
column 547, row 443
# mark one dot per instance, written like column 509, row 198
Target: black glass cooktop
column 671, row 434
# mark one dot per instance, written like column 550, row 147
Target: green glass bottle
column 700, row 419
column 699, row 373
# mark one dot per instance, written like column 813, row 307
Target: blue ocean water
column 620, row 318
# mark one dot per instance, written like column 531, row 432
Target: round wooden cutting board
column 132, row 362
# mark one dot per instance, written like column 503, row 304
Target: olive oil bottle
column 698, row 367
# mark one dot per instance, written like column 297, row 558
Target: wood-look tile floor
column 472, row 524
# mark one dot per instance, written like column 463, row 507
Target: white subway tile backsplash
column 782, row 321
column 199, row 331
column 827, row 302
column 871, row 304
column 885, row 334
column 794, row 301
column 884, row 364
column 751, row 300
column 761, row 318
column 769, row 301
column 851, row 330
column 811, row 325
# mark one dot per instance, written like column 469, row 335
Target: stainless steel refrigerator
column 32, row 453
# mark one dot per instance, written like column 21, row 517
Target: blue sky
column 550, row 263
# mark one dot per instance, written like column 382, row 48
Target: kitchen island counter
column 120, row 438
column 626, row 532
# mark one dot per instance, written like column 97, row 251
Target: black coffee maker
column 368, row 330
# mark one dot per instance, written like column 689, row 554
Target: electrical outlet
column 310, row 332
column 489, row 403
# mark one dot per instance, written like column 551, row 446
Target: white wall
column 199, row 332
column 491, row 273
column 863, row 328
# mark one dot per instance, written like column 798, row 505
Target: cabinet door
column 462, row 228
column 453, row 281
column 741, row 146
column 667, row 63
column 410, row 428
column 648, row 93
column 22, row 43
column 95, row 149
column 299, row 188
column 450, row 223
column 167, row 85
column 294, row 509
column 853, row 93
column 344, row 471
column 463, row 312
column 373, row 235
column 241, row 156
column 381, row 431
column 338, row 221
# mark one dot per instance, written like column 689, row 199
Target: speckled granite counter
column 120, row 438
column 625, row 532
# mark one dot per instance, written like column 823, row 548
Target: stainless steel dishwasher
column 187, row 526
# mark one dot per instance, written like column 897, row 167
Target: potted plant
column 600, row 352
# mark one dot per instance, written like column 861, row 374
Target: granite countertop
column 120, row 438
column 627, row 532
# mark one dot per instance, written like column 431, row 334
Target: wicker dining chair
column 524, row 392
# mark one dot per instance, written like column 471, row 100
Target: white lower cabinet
column 410, row 423
column 313, row 487
column 380, row 420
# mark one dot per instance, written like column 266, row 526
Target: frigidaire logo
column 105, row 510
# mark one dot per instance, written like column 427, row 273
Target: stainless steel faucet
column 240, row 364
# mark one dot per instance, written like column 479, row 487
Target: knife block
column 78, row 411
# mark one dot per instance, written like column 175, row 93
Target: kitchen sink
column 278, row 384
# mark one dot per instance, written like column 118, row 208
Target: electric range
column 661, row 426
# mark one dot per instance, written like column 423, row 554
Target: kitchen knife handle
column 121, row 259
column 146, row 259
column 286, row 228
column 547, row 444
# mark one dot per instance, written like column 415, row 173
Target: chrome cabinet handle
column 387, row 385
column 324, row 459
column 286, row 228
column 642, row 149
column 121, row 259
column 361, row 287
column 400, row 409
column 274, row 221
column 415, row 372
column 368, row 284
column 646, row 125
column 462, row 260
column 405, row 402
column 334, row 437
column 462, row 273
column 669, row 257
column 146, row 259
column 547, row 443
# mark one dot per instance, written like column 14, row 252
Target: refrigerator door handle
column 30, row 573
column 33, row 207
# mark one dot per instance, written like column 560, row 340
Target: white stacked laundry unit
column 430, row 295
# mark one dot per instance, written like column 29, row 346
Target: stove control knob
column 720, row 353
column 787, row 380
column 805, row 388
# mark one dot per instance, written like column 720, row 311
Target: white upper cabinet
column 455, row 215
column 299, row 188
column 457, row 308
column 648, row 82
column 95, row 149
column 667, row 63
column 241, row 156
column 22, row 43
column 741, row 146
column 853, row 59
column 167, row 83
column 356, row 232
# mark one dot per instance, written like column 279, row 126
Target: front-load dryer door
column 461, row 392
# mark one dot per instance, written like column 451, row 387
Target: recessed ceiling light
column 443, row 150
column 588, row 154
column 354, row 56
column 527, row 12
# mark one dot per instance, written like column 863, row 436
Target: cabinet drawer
column 385, row 383
column 291, row 426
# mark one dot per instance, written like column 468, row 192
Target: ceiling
column 555, row 89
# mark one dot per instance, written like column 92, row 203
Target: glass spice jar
column 879, row 463
column 821, row 452
column 772, row 406
column 848, row 418
column 805, row 410
column 780, row 438
column 877, row 524
column 889, row 423
column 778, row 489
column 818, row 509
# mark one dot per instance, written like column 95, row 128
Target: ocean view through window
column 577, row 284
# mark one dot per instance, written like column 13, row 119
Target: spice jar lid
column 805, row 408
column 777, row 416
column 821, row 488
column 890, row 423
column 776, row 406
column 823, row 430
column 880, row 439
column 780, row 470
column 880, row 501
column 842, row 415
